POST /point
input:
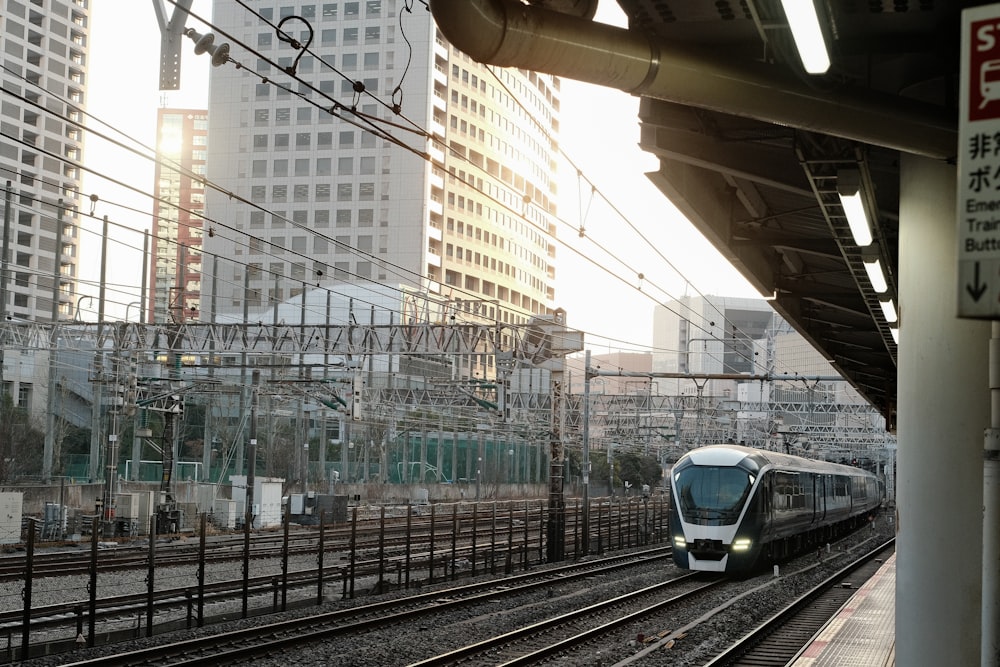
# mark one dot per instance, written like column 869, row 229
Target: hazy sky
column 599, row 133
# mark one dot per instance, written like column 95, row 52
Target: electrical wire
column 624, row 280
column 209, row 220
column 427, row 134
column 645, row 239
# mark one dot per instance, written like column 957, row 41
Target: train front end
column 714, row 524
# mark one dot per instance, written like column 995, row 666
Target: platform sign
column 978, row 194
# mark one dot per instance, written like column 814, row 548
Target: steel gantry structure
column 208, row 351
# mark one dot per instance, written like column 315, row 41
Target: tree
column 22, row 441
column 192, row 431
column 638, row 470
column 75, row 444
column 598, row 465
column 599, row 468
column 574, row 464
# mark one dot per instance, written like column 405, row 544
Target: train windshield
column 712, row 495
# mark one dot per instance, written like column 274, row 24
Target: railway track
column 388, row 536
column 120, row 611
column 779, row 640
column 114, row 558
column 239, row 645
column 170, row 555
column 576, row 617
column 98, row 596
column 200, row 604
column 774, row 644
column 573, row 631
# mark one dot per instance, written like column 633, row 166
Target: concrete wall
column 83, row 497
column 79, row 496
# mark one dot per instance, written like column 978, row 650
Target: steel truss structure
column 352, row 340
column 194, row 352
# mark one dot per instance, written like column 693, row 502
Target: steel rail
column 782, row 636
column 250, row 642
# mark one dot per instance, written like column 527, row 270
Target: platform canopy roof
column 753, row 149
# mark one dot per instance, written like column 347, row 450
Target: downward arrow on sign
column 978, row 289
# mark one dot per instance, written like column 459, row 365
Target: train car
column 734, row 508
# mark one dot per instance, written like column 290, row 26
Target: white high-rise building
column 44, row 76
column 463, row 210
column 44, row 47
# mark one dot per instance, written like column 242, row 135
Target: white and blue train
column 736, row 508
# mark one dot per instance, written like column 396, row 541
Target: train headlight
column 679, row 541
column 741, row 544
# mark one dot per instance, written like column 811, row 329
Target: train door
column 766, row 507
column 821, row 486
column 809, row 491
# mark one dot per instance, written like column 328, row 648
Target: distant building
column 178, row 207
column 45, row 84
column 465, row 212
column 798, row 400
column 625, row 362
column 709, row 335
column 44, row 78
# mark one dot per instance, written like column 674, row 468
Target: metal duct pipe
column 582, row 8
column 510, row 34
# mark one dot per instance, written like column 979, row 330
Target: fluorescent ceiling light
column 895, row 334
column 808, row 36
column 873, row 267
column 889, row 310
column 856, row 218
column 849, row 189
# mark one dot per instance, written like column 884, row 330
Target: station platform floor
column 863, row 633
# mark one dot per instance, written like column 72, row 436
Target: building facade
column 388, row 158
column 44, row 76
column 798, row 401
column 709, row 335
column 45, row 48
column 178, row 207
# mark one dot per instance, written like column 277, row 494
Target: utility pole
column 246, row 395
column 556, row 548
column 303, row 424
column 252, row 453
column 548, row 341
column 104, row 271
column 4, row 271
column 96, row 442
column 48, row 447
column 585, row 463
column 5, row 250
column 96, row 414
column 118, row 402
column 145, row 279
column 167, row 514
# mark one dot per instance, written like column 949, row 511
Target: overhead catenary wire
column 428, row 135
column 582, row 232
column 175, row 242
column 291, row 222
column 581, row 228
